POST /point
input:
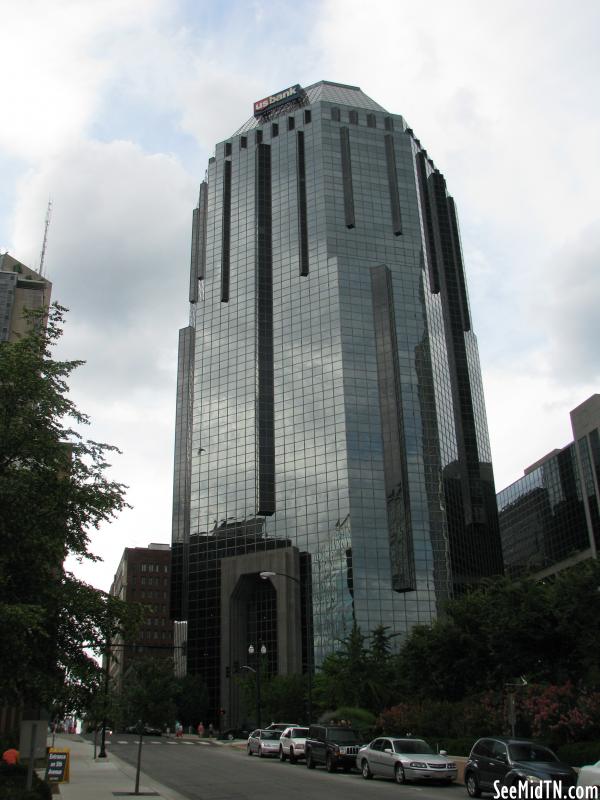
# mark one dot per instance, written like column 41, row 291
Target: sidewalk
column 105, row 778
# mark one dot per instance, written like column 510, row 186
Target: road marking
column 205, row 743
column 186, row 743
column 155, row 742
column 170, row 742
column 122, row 741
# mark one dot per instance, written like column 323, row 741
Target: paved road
column 219, row 772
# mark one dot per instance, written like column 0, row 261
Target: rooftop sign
column 279, row 99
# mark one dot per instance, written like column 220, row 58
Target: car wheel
column 472, row 785
column 366, row 770
column 230, row 736
column 281, row 754
column 399, row 775
column 309, row 761
column 248, row 750
column 260, row 751
column 292, row 756
column 330, row 764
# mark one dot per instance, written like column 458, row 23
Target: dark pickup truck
column 332, row 745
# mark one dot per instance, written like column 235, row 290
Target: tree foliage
column 53, row 492
column 358, row 674
column 548, row 631
column 149, row 691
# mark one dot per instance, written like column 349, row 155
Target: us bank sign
column 279, row 99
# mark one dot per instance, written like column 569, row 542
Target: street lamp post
column 262, row 652
column 265, row 575
column 102, row 753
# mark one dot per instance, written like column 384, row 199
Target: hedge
column 13, row 779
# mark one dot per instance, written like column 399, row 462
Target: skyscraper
column 20, row 288
column 550, row 518
column 330, row 409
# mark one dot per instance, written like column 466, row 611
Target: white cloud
column 53, row 59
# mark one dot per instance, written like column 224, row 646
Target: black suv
column 332, row 745
column 514, row 762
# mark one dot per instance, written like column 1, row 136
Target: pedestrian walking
column 200, row 729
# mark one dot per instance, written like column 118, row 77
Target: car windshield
column 299, row 733
column 270, row 734
column 346, row 737
column 412, row 746
column 527, row 751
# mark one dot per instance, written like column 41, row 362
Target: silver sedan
column 263, row 743
column 404, row 760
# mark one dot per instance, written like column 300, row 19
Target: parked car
column 147, row 730
column 234, row 733
column 405, row 759
column 332, row 745
column 513, row 762
column 589, row 775
column 291, row 744
column 263, row 742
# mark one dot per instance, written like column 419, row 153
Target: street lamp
column 102, row 753
column 263, row 652
column 265, row 575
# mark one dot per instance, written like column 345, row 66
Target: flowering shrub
column 561, row 714
column 554, row 714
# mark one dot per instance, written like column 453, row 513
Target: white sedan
column 590, row 775
column 291, row 744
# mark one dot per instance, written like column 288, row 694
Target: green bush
column 13, row 780
column 578, row 754
column 359, row 718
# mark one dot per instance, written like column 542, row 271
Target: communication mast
column 45, row 242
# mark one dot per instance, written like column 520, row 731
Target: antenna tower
column 45, row 242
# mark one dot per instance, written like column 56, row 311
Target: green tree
column 357, row 675
column 53, row 491
column 548, row 631
column 149, row 693
column 191, row 700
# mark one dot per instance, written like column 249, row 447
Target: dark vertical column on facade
column 459, row 265
column 198, row 256
column 463, row 481
column 182, row 472
column 394, row 459
column 432, row 261
column 390, row 158
column 226, row 235
column 302, row 218
column 347, row 178
column 265, row 422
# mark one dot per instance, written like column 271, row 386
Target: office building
column 143, row 576
column 549, row 518
column 20, row 288
column 330, row 421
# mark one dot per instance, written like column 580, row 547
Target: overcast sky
column 113, row 107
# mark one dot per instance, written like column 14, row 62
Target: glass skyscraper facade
column 549, row 518
column 329, row 393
